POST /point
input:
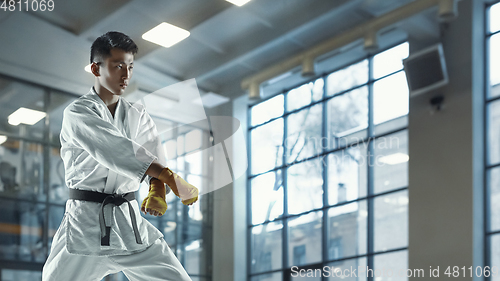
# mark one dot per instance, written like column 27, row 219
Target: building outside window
column 328, row 180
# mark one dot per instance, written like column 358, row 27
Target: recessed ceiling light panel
column 25, row 116
column 166, row 35
column 238, row 3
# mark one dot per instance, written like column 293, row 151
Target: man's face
column 115, row 72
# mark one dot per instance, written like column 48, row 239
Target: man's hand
column 154, row 203
column 185, row 191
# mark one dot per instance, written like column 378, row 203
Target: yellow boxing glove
column 155, row 203
column 182, row 189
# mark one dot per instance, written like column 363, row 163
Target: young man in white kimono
column 108, row 147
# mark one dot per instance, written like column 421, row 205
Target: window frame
column 488, row 234
column 370, row 138
column 47, row 144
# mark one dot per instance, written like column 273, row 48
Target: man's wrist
column 154, row 169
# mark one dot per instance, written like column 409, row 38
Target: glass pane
column 391, row 221
column 494, row 18
column 193, row 140
column 59, row 193
column 266, row 247
column 307, row 275
column 304, row 239
column 20, row 275
column 347, row 78
column 181, row 167
column 55, row 218
column 22, row 226
column 172, row 164
column 189, row 231
column 267, row 110
column 395, row 265
column 347, row 115
column 494, row 198
column 58, row 102
column 390, row 61
column 347, row 175
column 278, row 276
column 347, row 230
column 304, row 133
column 170, row 148
column 180, row 145
column 494, row 64
column 21, row 170
column 391, row 162
column 195, row 260
column 179, row 253
column 493, row 148
column 17, row 95
column 168, row 230
column 304, row 95
column 195, row 211
column 392, row 125
column 495, row 256
column 344, row 270
column 267, row 150
column 494, row 91
column 267, row 197
column 390, row 98
column 305, row 186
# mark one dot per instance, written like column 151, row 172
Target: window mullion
column 284, row 173
column 370, row 201
column 249, row 197
column 324, row 147
column 46, row 172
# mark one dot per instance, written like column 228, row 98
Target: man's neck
column 106, row 96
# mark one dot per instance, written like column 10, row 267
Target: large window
column 187, row 230
column 32, row 188
column 492, row 136
column 33, row 191
column 329, row 172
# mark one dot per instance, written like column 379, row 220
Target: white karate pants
column 155, row 263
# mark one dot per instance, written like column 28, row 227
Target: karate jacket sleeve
column 85, row 128
column 147, row 135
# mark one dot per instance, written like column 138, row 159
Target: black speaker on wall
column 426, row 70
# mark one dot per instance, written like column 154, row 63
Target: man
column 108, row 147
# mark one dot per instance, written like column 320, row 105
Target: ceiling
column 227, row 43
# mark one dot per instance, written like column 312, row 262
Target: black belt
column 104, row 198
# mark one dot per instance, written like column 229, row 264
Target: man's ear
column 94, row 67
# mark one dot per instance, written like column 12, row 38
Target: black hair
column 101, row 48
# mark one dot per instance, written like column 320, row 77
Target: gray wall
column 230, row 222
column 443, row 209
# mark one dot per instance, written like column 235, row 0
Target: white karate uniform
column 108, row 155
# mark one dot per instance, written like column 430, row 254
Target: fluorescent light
column 166, row 35
column 393, row 159
column 25, row 116
column 87, row 68
column 3, row 139
column 238, row 3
